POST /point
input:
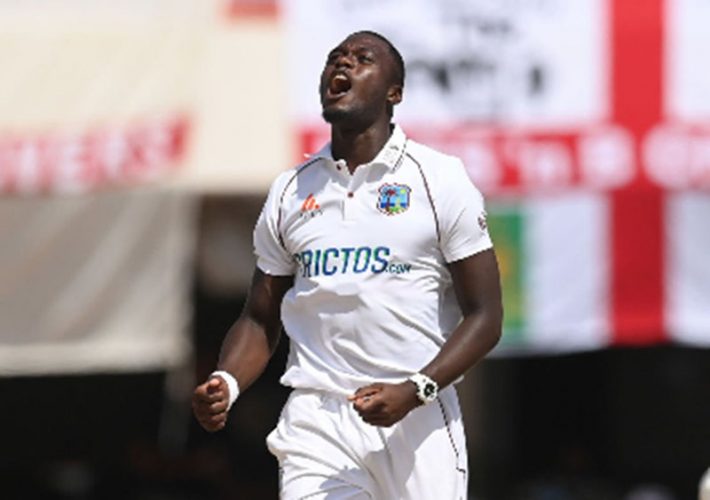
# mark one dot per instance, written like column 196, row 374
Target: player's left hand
column 385, row 404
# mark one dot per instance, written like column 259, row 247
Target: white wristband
column 232, row 385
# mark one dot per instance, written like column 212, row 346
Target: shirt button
column 351, row 194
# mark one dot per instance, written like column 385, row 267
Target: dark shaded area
column 595, row 425
column 591, row 425
column 106, row 437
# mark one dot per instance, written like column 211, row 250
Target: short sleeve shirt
column 372, row 298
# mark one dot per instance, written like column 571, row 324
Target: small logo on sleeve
column 482, row 221
column 393, row 199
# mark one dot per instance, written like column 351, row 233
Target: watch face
column 429, row 390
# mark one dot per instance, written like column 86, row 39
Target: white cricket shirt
column 372, row 298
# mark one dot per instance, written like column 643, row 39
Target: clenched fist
column 209, row 404
column 383, row 404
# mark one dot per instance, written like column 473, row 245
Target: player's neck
column 358, row 147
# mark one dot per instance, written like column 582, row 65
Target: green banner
column 506, row 226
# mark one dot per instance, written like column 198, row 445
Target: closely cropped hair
column 399, row 61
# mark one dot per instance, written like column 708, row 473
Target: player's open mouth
column 339, row 86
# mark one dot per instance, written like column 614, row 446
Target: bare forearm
column 246, row 350
column 385, row 404
column 477, row 286
column 468, row 344
column 251, row 341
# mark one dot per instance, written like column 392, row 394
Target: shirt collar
column 389, row 155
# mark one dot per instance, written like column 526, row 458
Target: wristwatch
column 427, row 389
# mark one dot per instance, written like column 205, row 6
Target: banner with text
column 96, row 94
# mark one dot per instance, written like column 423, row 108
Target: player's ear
column 394, row 94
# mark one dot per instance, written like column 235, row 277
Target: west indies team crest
column 393, row 199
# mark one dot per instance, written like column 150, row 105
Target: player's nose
column 344, row 60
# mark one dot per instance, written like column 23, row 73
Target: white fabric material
column 325, row 450
column 232, row 385
column 568, row 273
column 687, row 269
column 372, row 298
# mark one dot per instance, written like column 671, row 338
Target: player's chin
column 335, row 114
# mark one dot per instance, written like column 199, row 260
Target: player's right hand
column 209, row 404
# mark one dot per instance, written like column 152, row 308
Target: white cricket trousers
column 326, row 452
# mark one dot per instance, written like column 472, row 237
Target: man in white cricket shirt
column 375, row 256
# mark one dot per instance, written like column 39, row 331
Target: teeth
column 339, row 84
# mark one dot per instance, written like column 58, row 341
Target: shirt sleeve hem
column 467, row 251
column 274, row 270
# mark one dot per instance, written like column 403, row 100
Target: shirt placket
column 353, row 187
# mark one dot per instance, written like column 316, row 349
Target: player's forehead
column 361, row 41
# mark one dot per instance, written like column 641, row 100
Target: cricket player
column 375, row 256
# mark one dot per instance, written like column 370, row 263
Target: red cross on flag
column 586, row 124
